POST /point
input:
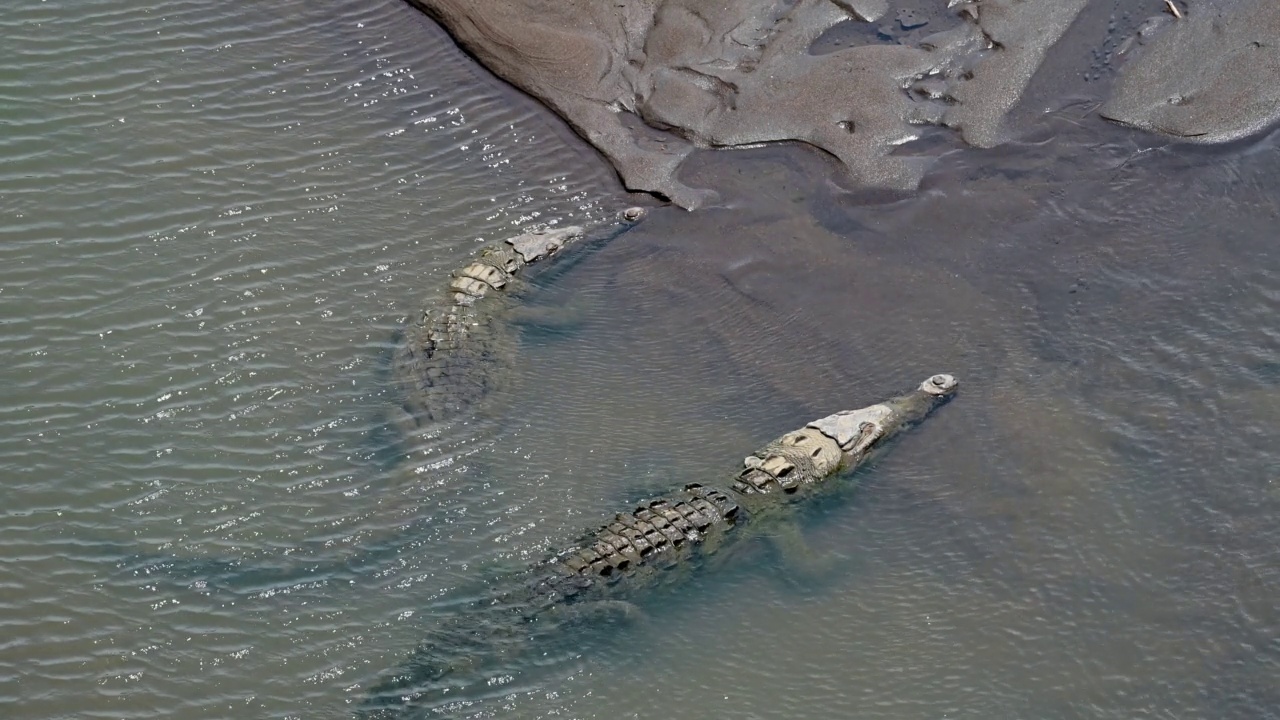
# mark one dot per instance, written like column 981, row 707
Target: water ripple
column 217, row 218
column 219, row 215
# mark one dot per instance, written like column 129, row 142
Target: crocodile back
column 654, row 535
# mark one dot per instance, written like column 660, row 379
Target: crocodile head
column 859, row 433
column 838, row 442
column 543, row 243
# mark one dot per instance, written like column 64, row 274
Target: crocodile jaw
column 855, row 430
column 859, row 431
column 537, row 245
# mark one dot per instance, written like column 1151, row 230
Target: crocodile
column 463, row 349
column 458, row 352
column 645, row 546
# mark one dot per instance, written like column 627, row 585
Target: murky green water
column 215, row 219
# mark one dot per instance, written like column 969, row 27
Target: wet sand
column 648, row 82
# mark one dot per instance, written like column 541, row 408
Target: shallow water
column 217, row 220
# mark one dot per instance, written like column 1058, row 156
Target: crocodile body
column 645, row 546
column 463, row 349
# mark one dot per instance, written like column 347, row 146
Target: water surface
column 218, row 218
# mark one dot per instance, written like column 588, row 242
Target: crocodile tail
column 421, row 676
column 462, row 652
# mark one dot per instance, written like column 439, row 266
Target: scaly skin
column 648, row 545
column 460, row 352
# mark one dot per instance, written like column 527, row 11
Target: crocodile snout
column 940, row 384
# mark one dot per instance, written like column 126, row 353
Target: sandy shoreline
column 648, row 82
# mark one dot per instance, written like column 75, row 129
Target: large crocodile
column 463, row 350
column 641, row 547
column 460, row 350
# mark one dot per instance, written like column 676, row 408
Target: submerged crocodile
column 643, row 547
column 460, row 352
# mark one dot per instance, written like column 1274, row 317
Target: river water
column 216, row 219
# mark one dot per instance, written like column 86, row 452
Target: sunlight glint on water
column 216, row 218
